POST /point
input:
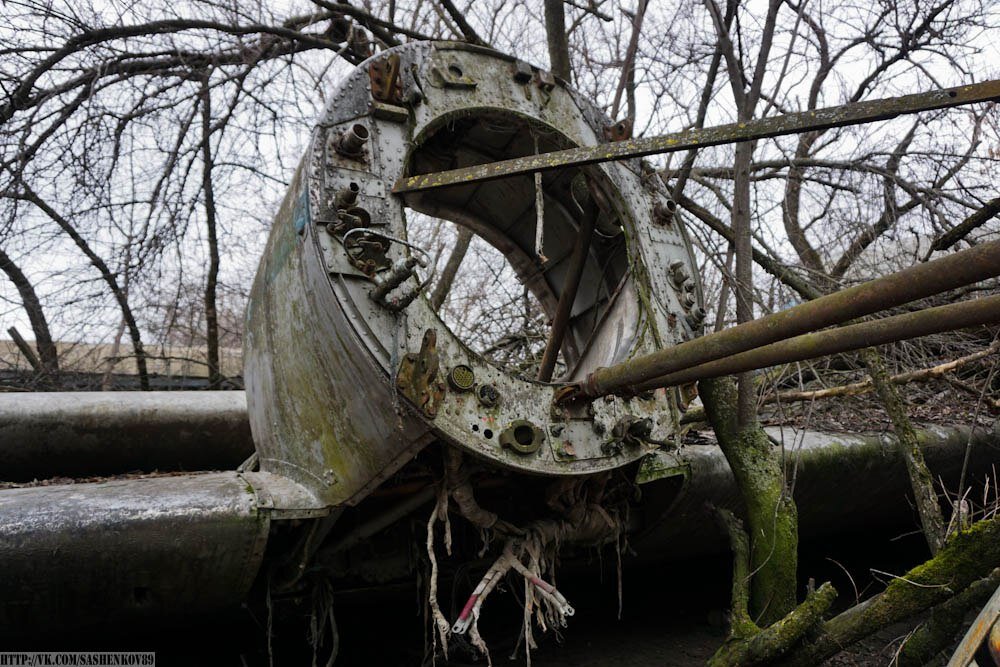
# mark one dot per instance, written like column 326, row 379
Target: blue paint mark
column 300, row 215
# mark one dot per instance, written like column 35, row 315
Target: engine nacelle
column 350, row 370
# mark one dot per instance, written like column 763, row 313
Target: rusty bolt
column 522, row 72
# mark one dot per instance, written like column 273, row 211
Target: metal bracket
column 451, row 76
column 367, row 253
column 523, row 437
column 633, row 431
column 417, row 378
column 387, row 85
column 619, row 131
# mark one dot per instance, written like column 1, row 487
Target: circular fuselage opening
column 498, row 279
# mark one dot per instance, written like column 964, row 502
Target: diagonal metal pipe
column 924, row 322
column 916, row 282
column 560, row 322
column 804, row 121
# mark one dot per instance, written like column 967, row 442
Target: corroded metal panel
column 319, row 407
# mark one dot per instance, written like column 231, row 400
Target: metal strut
column 571, row 284
column 950, row 317
column 916, row 282
column 793, row 123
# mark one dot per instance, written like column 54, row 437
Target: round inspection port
column 522, row 436
column 488, row 395
column 461, row 378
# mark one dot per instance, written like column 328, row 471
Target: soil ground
column 673, row 616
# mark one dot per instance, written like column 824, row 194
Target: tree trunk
column 211, row 283
column 451, row 267
column 921, row 480
column 772, row 520
column 47, row 354
column 555, row 29
column 626, row 83
column 743, row 287
column 109, row 278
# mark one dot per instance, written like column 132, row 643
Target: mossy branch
column 774, row 641
column 921, row 482
column 747, row 643
column 741, row 626
column 945, row 622
column 968, row 556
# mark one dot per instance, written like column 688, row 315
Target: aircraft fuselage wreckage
column 364, row 403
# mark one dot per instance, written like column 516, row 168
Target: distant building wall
column 166, row 360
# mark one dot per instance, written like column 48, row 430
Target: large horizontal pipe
column 925, row 322
column 916, row 282
column 843, row 483
column 82, row 434
column 81, row 556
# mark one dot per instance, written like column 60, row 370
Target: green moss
column 945, row 622
column 763, row 647
column 965, row 558
column 772, row 519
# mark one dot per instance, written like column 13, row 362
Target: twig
column 25, row 349
column 857, row 388
column 968, row 444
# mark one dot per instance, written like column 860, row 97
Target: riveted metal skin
column 322, row 357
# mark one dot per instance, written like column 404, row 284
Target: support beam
column 571, row 284
column 951, row 317
column 793, row 123
column 916, row 282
